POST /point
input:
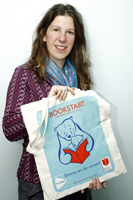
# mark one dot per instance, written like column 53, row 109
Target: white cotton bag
column 72, row 141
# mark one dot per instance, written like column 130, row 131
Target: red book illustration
column 105, row 161
column 80, row 155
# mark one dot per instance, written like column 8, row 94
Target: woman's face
column 59, row 38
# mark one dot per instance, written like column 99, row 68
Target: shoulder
column 22, row 74
column 26, row 73
column 23, row 70
column 25, row 77
column 22, row 78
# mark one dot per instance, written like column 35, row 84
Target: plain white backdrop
column 109, row 32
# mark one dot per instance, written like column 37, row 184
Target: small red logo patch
column 105, row 161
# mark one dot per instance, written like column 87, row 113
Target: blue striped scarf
column 66, row 77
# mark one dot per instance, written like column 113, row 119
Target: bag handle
column 35, row 140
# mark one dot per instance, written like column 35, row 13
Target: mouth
column 61, row 48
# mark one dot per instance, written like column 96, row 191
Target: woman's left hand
column 95, row 185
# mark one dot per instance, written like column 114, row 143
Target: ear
column 41, row 30
column 44, row 39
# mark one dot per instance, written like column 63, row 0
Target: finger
column 98, row 184
column 82, row 191
column 58, row 93
column 71, row 90
column 53, row 91
column 94, row 184
column 104, row 184
column 90, row 186
column 64, row 94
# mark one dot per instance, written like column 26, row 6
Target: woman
column 58, row 63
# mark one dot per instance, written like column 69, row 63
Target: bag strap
column 35, row 141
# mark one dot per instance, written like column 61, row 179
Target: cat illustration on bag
column 75, row 144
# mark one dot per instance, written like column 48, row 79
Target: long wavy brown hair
column 78, row 54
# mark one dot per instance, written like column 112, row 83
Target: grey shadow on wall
column 114, row 122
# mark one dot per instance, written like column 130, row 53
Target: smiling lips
column 60, row 48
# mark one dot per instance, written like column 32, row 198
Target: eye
column 56, row 29
column 70, row 32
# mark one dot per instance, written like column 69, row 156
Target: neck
column 60, row 63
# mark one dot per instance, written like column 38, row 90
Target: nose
column 62, row 36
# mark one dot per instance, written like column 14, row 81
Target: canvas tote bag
column 72, row 142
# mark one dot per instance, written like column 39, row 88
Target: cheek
column 50, row 40
column 71, row 41
column 52, row 37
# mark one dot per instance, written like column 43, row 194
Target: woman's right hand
column 60, row 92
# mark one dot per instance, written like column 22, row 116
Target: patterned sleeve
column 19, row 93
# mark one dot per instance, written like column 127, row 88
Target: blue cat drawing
column 75, row 144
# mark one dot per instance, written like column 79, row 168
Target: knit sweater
column 23, row 89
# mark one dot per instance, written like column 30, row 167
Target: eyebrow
column 60, row 27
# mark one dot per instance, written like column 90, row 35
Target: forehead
column 63, row 22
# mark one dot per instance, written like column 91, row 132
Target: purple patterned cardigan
column 23, row 89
